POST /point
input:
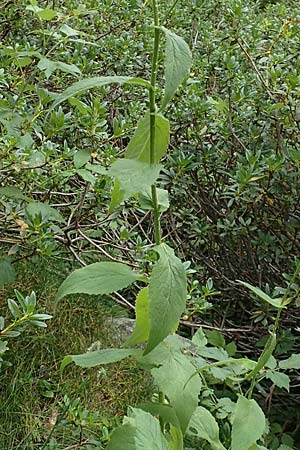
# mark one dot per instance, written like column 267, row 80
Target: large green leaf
column 248, row 424
column 140, row 431
column 106, row 356
column 139, row 145
column 178, row 61
column 7, row 272
column 204, row 426
column 173, row 371
column 293, row 362
column 95, row 82
column 142, row 323
column 98, row 279
column 167, row 295
column 133, row 177
column 277, row 302
column 168, row 414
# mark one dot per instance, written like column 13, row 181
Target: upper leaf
column 167, row 295
column 133, row 177
column 248, row 424
column 97, row 279
column 139, row 145
column 178, row 61
column 277, row 302
column 96, row 82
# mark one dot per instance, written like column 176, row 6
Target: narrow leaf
column 95, row 82
column 178, row 61
column 14, row 309
column 106, row 356
column 167, row 295
column 98, row 279
column 262, row 295
column 139, row 145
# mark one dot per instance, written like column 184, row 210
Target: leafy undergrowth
column 77, row 405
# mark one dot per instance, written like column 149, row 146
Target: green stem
column 161, row 398
column 15, row 324
column 152, row 107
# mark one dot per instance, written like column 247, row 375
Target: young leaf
column 199, row 338
column 280, row 380
column 106, row 356
column 98, row 279
column 95, row 82
column 117, row 196
column 139, row 145
column 248, row 424
column 178, row 61
column 262, row 295
column 293, row 362
column 133, row 176
column 81, row 157
column 46, row 14
column 14, row 309
column 140, row 431
column 204, row 426
column 167, row 295
column 86, row 175
column 142, row 323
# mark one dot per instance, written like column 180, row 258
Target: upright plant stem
column 152, row 106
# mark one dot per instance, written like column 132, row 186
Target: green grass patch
column 36, row 396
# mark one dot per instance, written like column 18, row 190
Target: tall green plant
column 159, row 305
